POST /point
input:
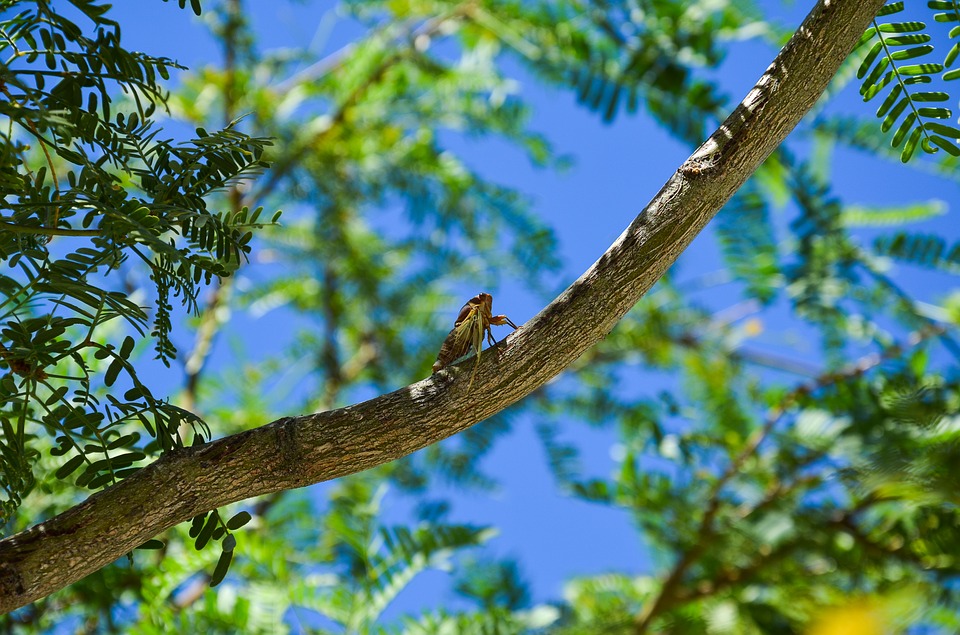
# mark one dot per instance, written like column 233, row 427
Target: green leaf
column 902, row 27
column 890, row 100
column 196, row 524
column 911, row 53
column 153, row 543
column 890, row 9
column 857, row 216
column 69, row 467
column 134, row 393
column 934, row 113
column 891, row 118
column 113, row 371
column 920, row 69
column 124, row 441
column 930, row 95
column 874, row 90
column 951, row 55
column 223, row 565
column 941, row 129
column 869, row 59
column 902, row 131
column 207, row 532
column 911, row 145
column 868, row 35
column 906, row 40
column 239, row 520
column 947, row 145
column 127, row 347
column 57, row 395
column 874, row 75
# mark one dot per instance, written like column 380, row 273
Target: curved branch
column 299, row 451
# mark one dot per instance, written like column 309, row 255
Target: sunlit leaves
column 903, row 110
column 858, row 216
column 79, row 165
column 926, row 250
column 949, row 13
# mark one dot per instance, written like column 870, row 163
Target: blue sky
column 617, row 169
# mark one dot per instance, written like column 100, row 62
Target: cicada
column 474, row 321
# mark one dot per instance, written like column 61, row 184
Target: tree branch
column 299, row 451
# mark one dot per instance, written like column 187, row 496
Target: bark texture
column 299, row 451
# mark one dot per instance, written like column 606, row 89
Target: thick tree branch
column 300, row 451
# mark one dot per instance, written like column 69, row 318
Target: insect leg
column 500, row 320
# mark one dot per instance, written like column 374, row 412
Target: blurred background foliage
column 774, row 493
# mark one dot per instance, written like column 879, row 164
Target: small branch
column 330, row 349
column 776, row 362
column 46, row 153
column 319, row 69
column 738, row 576
column 210, row 322
column 669, row 591
column 280, row 169
column 847, row 523
column 212, row 318
column 48, row 231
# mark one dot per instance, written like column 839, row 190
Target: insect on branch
column 474, row 321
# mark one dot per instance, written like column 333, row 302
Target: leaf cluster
column 896, row 59
column 86, row 183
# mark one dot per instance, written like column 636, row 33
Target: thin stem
column 48, row 231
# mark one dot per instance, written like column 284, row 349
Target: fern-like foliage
column 861, row 134
column 858, row 216
column 371, row 563
column 748, row 243
column 896, row 61
column 85, row 183
column 651, row 55
column 925, row 250
column 948, row 11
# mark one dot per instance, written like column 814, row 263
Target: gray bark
column 299, row 451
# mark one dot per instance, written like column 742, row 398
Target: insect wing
column 473, row 323
column 459, row 340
